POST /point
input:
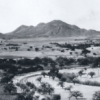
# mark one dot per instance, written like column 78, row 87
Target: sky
column 83, row 13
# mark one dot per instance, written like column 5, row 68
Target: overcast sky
column 83, row 13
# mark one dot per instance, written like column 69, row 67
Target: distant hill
column 55, row 28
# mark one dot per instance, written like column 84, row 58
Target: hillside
column 55, row 28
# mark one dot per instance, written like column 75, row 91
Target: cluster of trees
column 46, row 62
column 14, row 67
column 10, row 44
column 73, row 47
column 93, row 61
column 78, row 46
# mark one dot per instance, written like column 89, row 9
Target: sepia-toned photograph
column 49, row 49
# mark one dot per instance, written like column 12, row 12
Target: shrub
column 91, row 74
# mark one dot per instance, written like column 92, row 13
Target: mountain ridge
column 55, row 28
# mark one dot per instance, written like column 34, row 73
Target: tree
column 10, row 88
column 91, row 74
column 85, row 51
column 36, row 49
column 23, row 87
column 76, row 94
column 68, row 88
column 39, row 79
column 32, row 86
column 94, row 54
column 29, row 97
column 43, row 73
column 96, row 95
column 28, row 84
column 83, row 61
column 75, row 80
column 80, row 72
column 61, row 83
column 6, row 78
column 59, row 75
column 70, row 53
column 63, row 79
column 20, row 97
column 35, row 98
column 85, row 68
column 49, row 74
column 72, row 76
column 50, row 89
column 56, row 97
column 45, row 88
column 53, row 75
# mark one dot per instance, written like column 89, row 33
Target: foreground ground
column 87, row 91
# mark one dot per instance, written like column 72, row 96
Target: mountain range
column 55, row 28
